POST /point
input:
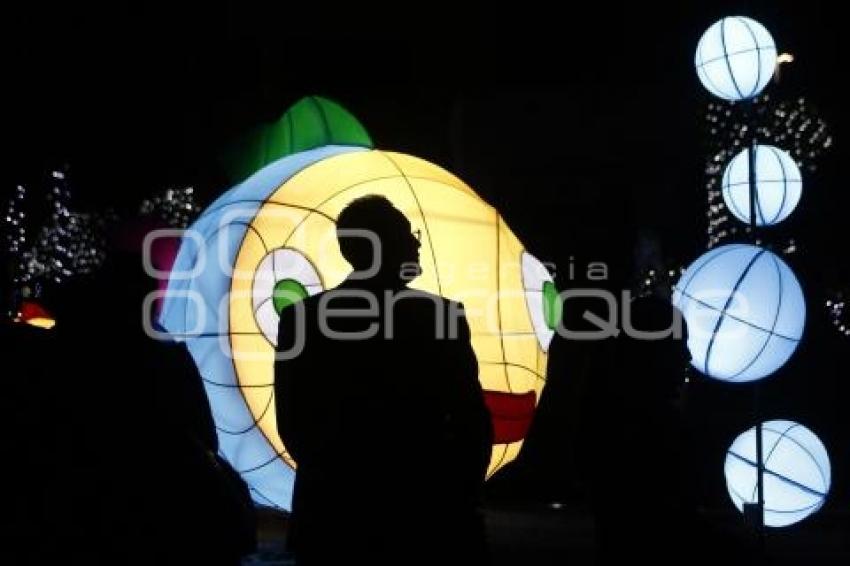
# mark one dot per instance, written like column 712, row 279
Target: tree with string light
column 43, row 255
column 794, row 125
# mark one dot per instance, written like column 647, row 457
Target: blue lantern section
column 745, row 312
column 778, row 185
column 195, row 311
column 796, row 472
column 735, row 58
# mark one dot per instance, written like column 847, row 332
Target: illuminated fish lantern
column 275, row 232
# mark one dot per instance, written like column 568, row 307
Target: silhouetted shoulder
column 424, row 298
column 426, row 312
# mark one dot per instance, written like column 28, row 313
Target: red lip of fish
column 511, row 414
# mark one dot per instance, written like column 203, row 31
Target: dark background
column 578, row 123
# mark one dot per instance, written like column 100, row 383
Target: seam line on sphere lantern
column 734, row 291
column 800, row 446
column 738, row 319
column 732, row 202
column 684, row 288
column 784, row 185
column 772, row 331
column 778, row 476
column 726, row 56
column 758, row 49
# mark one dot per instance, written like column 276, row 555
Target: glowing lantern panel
column 745, row 312
column 796, row 472
column 778, row 185
column 735, row 58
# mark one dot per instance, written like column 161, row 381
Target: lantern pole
column 753, row 194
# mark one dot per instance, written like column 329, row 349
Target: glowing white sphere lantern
column 735, row 58
column 745, row 312
column 778, row 185
column 796, row 472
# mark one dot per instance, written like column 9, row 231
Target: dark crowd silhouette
column 633, row 452
column 118, row 459
column 114, row 452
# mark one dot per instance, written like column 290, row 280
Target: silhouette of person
column 381, row 408
column 133, row 473
column 637, row 445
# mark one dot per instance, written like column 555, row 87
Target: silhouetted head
column 396, row 259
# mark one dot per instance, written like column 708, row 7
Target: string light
column 70, row 243
column 838, row 312
column 176, row 207
column 658, row 281
column 66, row 244
column 14, row 229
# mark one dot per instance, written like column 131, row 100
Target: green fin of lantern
column 287, row 292
column 312, row 122
column 553, row 309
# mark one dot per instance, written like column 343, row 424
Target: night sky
column 579, row 125
column 549, row 116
